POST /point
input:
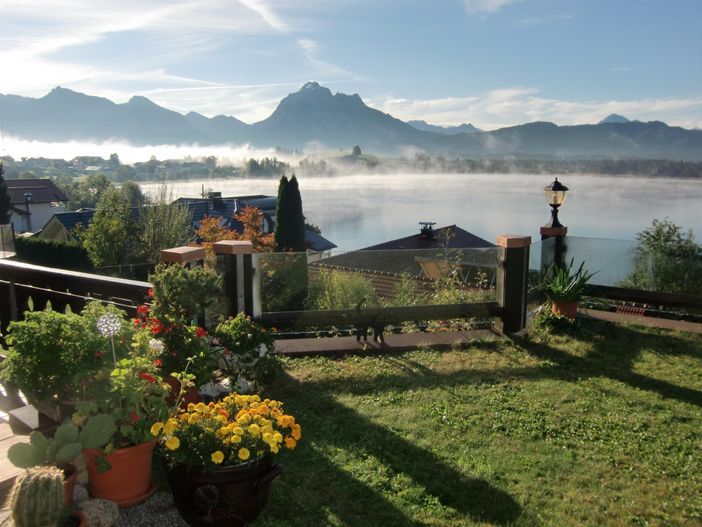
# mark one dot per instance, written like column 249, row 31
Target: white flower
column 249, row 336
column 156, row 345
column 109, row 325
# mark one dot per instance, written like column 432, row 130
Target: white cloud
column 511, row 106
column 310, row 49
column 486, row 6
column 266, row 13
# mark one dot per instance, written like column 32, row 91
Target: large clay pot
column 128, row 482
column 227, row 496
column 564, row 309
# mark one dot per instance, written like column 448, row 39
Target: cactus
column 36, row 499
column 98, row 431
column 60, row 449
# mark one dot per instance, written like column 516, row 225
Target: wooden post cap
column 513, row 241
column 553, row 231
column 182, row 255
column 233, row 247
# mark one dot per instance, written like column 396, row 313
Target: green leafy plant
column 36, row 499
column 49, row 351
column 246, row 349
column 562, row 284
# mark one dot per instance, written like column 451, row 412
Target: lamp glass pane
column 555, row 197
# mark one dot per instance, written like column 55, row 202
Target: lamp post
column 28, row 198
column 555, row 195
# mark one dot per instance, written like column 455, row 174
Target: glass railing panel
column 7, row 241
column 297, row 281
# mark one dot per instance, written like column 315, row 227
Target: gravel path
column 156, row 511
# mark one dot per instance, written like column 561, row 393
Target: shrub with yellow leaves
column 236, row 430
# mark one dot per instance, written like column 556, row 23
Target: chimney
column 216, row 198
column 427, row 230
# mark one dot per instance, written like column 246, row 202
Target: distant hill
column 446, row 130
column 315, row 116
column 614, row 118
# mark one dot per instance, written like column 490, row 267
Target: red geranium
column 201, row 332
column 147, row 377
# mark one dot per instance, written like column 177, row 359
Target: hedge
column 52, row 253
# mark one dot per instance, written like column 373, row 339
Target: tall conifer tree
column 5, row 199
column 281, row 214
column 297, row 218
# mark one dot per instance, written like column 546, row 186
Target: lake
column 361, row 210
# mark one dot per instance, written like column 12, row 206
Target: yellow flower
column 278, row 437
column 235, row 439
column 267, row 437
column 243, row 419
column 244, row 454
column 191, row 407
column 170, row 426
column 194, row 418
column 296, row 432
column 217, row 457
column 184, row 416
column 156, row 428
column 77, row 419
column 290, row 443
column 254, row 430
column 238, row 431
column 201, row 407
column 172, row 443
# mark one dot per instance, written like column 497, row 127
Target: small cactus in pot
column 36, row 499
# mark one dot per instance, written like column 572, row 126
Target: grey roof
column 457, row 239
column 42, row 190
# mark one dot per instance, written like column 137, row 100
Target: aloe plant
column 563, row 285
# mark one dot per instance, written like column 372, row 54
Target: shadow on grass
column 613, row 355
column 332, row 489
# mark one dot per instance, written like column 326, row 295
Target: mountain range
column 315, row 116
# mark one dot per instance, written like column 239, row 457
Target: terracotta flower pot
column 564, row 309
column 128, row 482
column 225, row 497
column 69, row 482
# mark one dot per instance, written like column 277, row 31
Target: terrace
column 594, row 424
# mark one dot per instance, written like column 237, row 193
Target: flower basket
column 226, row 496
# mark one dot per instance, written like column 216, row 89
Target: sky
column 493, row 63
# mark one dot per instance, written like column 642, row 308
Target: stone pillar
column 183, row 255
column 512, row 271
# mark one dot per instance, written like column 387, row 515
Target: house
column 62, row 225
column 424, row 255
column 214, row 205
column 34, row 202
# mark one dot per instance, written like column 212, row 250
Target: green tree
column 164, row 225
column 5, row 199
column 289, row 219
column 133, row 194
column 87, row 192
column 356, row 151
column 110, row 236
column 667, row 259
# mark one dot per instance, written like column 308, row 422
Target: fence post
column 236, row 257
column 512, row 271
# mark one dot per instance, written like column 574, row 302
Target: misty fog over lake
column 361, row 210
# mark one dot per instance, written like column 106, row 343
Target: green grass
column 602, row 427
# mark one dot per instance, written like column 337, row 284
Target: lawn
column 602, row 427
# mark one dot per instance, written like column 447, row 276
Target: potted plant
column 246, row 352
column 49, row 351
column 221, row 457
column 127, row 399
column 179, row 299
column 564, row 288
column 66, row 445
column 36, row 500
